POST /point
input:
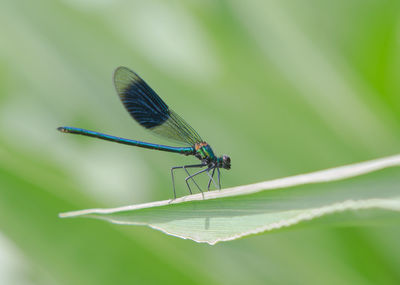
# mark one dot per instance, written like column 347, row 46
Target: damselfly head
column 225, row 162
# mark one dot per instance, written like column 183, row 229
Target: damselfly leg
column 219, row 178
column 189, row 175
column 197, row 173
column 211, row 179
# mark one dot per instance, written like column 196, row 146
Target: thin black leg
column 173, row 179
column 219, row 178
column 198, row 187
column 197, row 173
column 184, row 167
column 211, row 179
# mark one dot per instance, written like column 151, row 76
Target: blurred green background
column 283, row 87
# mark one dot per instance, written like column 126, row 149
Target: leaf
column 232, row 213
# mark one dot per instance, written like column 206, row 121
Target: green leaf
column 236, row 212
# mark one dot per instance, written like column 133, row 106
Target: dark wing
column 149, row 110
column 144, row 105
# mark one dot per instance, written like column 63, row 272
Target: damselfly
column 147, row 108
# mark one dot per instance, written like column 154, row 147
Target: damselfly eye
column 226, row 162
